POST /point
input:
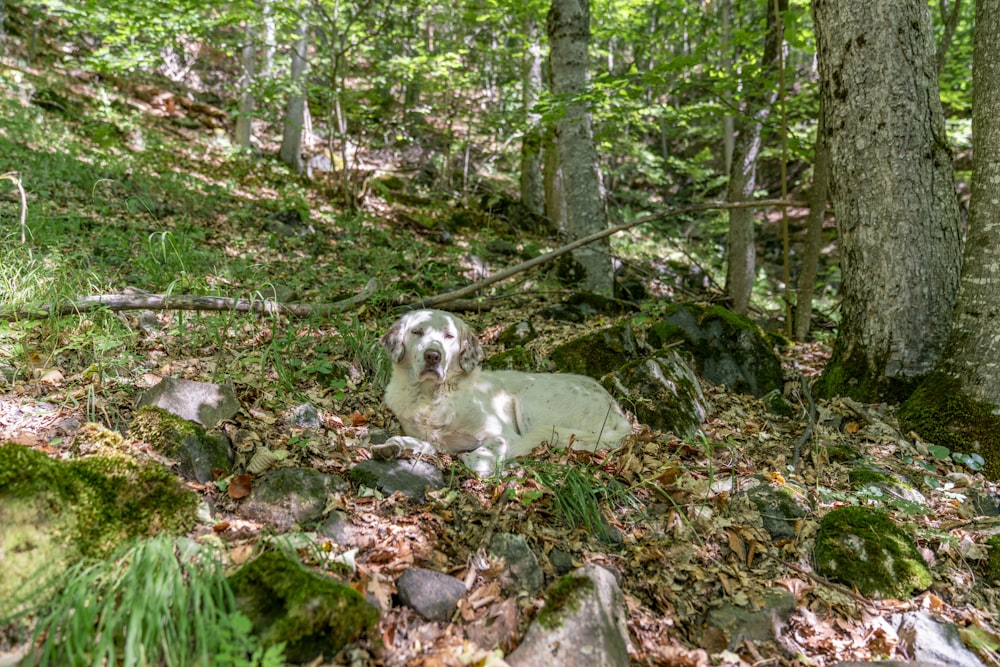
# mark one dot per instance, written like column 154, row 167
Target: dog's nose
column 432, row 357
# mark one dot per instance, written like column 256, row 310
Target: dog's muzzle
column 432, row 363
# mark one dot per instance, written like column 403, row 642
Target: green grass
column 161, row 601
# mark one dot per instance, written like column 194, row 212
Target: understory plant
column 158, row 601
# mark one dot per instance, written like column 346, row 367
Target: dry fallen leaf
column 239, row 486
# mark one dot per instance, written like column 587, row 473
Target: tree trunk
column 974, row 346
column 814, row 232
column 569, row 35
column 295, row 112
column 532, row 183
column 244, row 115
column 742, row 252
column 893, row 194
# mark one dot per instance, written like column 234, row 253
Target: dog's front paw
column 387, row 450
column 484, row 462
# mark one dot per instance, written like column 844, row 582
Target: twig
column 809, row 427
column 579, row 243
column 12, row 177
column 185, row 302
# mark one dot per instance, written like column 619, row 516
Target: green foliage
column 158, row 601
column 577, row 492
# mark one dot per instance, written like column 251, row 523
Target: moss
column 993, row 564
column 854, row 375
column 598, row 353
column 864, row 548
column 777, row 405
column 99, row 500
column 199, row 453
column 942, row 413
column 516, row 359
column 562, row 597
column 163, row 430
column 312, row 613
column 867, row 477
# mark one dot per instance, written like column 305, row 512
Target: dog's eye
column 449, row 336
column 417, row 332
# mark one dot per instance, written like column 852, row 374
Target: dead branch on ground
column 118, row 302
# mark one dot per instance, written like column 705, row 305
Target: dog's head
column 432, row 345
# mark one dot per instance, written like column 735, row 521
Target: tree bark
column 893, row 195
column 568, row 28
column 295, row 112
column 741, row 267
column 973, row 352
column 532, row 182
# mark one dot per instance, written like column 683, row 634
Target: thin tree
column 296, row 109
column 741, row 248
column 532, row 181
column 568, row 27
column 893, row 195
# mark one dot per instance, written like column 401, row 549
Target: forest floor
column 131, row 187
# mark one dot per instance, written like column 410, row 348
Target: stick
column 559, row 252
column 185, row 302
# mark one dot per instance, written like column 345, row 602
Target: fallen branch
column 185, row 302
column 468, row 290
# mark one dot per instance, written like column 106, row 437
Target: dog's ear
column 471, row 352
column 392, row 341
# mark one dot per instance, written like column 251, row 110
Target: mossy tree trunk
column 973, row 352
column 295, row 111
column 893, row 195
column 957, row 407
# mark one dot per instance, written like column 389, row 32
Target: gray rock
column 728, row 349
column 339, row 529
column 287, row 497
column 198, row 453
column 522, row 571
column 779, row 508
column 433, row 595
column 924, row 638
column 304, row 416
column 202, row 402
column 756, row 625
column 663, row 392
column 410, row 477
column 517, row 335
column 581, row 625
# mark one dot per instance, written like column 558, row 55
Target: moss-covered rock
column 54, row 510
column 202, row 457
column 993, row 564
column 942, row 413
column 663, row 392
column 312, row 613
column 598, row 353
column 516, row 359
column 728, row 349
column 864, row 548
column 517, row 335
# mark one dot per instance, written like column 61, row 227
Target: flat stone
column 434, row 595
column 202, row 402
column 410, row 477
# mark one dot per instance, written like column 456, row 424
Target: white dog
column 443, row 400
